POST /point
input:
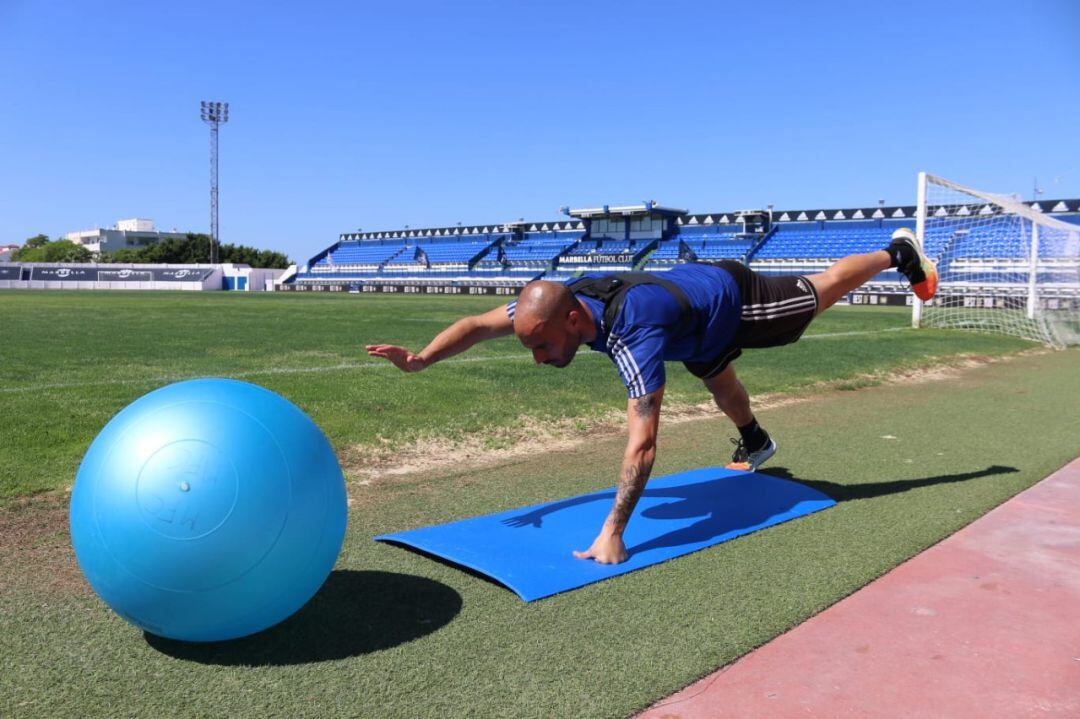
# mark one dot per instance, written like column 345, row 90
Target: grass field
column 71, row 360
column 395, row 635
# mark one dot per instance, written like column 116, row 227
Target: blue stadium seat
column 963, row 249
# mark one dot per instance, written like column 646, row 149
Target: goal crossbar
column 1003, row 267
column 1006, row 203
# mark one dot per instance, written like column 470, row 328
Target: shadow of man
column 733, row 505
column 869, row 490
column 729, row 504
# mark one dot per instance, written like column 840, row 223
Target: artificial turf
column 394, row 634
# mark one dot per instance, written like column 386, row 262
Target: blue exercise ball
column 208, row 510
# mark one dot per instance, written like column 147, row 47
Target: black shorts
column 775, row 311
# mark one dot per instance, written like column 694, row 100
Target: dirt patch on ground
column 35, row 547
column 370, row 468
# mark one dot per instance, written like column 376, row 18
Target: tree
column 194, row 248
column 65, row 251
column 41, row 249
column 269, row 258
column 127, row 255
column 28, row 254
column 32, row 250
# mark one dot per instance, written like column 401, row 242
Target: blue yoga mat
column 529, row 549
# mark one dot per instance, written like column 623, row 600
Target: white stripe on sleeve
column 628, row 367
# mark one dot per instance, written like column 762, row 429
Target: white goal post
column 1004, row 267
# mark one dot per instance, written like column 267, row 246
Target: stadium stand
column 608, row 254
column 522, row 260
column 809, row 247
column 792, row 242
column 353, row 255
column 727, row 242
column 825, row 240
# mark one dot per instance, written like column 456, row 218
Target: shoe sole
column 926, row 289
column 746, row 466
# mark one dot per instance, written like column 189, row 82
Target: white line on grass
column 827, row 335
column 338, row 368
column 237, row 375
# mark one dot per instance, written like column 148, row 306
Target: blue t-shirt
column 646, row 332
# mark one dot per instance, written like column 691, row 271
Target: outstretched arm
column 643, row 422
column 455, row 339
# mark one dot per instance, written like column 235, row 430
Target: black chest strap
column 611, row 290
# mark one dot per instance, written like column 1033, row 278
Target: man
column 703, row 314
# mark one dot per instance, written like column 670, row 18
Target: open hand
column 608, row 548
column 402, row 358
column 533, row 519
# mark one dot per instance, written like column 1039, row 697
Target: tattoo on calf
column 645, row 406
column 633, row 481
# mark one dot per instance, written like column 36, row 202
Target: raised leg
column 846, row 275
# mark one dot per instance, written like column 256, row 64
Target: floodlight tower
column 214, row 114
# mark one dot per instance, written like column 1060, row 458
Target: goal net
column 1003, row 267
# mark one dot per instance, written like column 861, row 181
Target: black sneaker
column 920, row 271
column 750, row 461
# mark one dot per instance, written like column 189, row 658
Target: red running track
column 984, row 624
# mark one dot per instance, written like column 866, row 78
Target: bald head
column 551, row 322
column 542, row 302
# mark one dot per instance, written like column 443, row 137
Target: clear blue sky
column 378, row 115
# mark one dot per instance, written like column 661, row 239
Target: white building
column 135, row 224
column 5, row 252
column 126, row 234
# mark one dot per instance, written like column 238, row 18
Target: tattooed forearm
column 645, row 406
column 634, row 476
column 643, row 416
